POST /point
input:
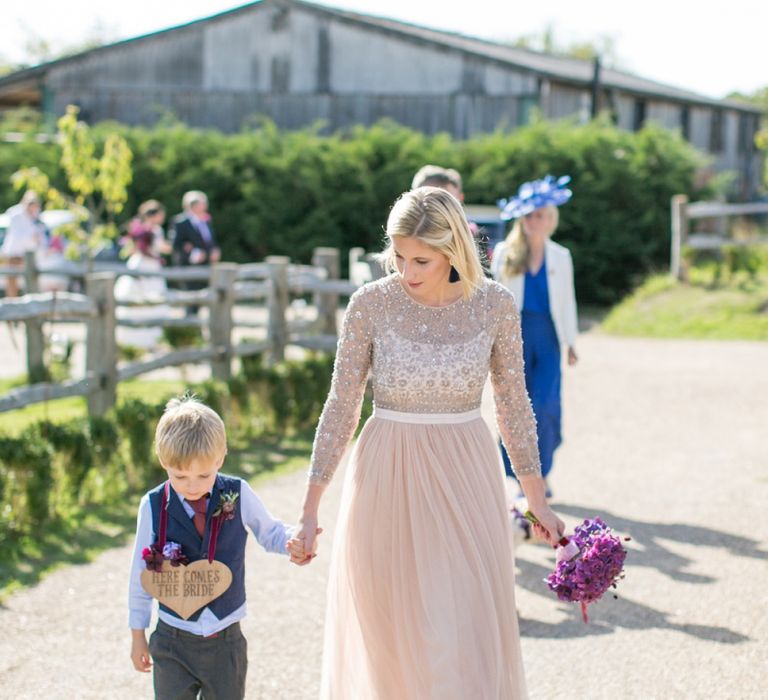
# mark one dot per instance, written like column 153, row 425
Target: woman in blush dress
column 421, row 597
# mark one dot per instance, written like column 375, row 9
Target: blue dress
column 541, row 354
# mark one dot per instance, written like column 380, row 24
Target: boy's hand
column 297, row 548
column 140, row 651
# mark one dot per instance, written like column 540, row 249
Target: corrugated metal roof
column 561, row 68
column 557, row 68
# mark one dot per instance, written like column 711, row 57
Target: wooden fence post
column 36, row 370
column 327, row 303
column 679, row 234
column 101, row 347
column 222, row 284
column 278, row 305
column 355, row 255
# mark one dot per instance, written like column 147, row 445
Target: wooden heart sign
column 186, row 589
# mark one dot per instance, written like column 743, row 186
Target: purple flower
column 519, row 521
column 154, row 557
column 595, row 569
column 172, row 551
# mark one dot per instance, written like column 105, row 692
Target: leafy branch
column 98, row 185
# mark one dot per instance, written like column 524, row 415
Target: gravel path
column 664, row 439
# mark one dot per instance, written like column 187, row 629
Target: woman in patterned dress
column 421, row 595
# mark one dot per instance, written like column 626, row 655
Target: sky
column 712, row 50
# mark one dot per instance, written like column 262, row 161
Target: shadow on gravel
column 649, row 537
column 61, row 543
column 609, row 614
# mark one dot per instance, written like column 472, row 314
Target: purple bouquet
column 588, row 563
column 597, row 567
column 154, row 556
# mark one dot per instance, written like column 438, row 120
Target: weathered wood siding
column 297, row 66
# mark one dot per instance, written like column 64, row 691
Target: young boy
column 207, row 651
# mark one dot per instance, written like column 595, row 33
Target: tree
column 98, row 185
column 603, row 46
column 40, row 49
column 758, row 98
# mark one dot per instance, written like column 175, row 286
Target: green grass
column 25, row 560
column 13, row 422
column 704, row 308
column 63, row 542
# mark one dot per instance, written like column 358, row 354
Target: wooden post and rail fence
column 270, row 284
column 683, row 212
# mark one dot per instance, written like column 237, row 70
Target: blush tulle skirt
column 421, row 594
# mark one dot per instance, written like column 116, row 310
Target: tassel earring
column 454, row 275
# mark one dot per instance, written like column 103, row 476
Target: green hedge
column 59, row 470
column 286, row 193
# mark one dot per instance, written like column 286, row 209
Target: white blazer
column 562, row 296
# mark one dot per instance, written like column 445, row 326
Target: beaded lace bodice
column 426, row 359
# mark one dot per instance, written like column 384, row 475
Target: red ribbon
column 163, row 516
column 215, row 523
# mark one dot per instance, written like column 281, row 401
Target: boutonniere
column 225, row 509
column 154, row 555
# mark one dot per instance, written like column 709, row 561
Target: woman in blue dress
column 539, row 273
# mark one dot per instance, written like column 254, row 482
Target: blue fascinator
column 534, row 195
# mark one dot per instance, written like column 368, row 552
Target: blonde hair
column 189, row 430
column 435, row 217
column 517, row 249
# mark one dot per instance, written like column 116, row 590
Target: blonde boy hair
column 189, row 430
column 435, row 217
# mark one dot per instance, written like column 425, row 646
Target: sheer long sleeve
column 341, row 412
column 514, row 414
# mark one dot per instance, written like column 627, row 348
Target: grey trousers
column 188, row 667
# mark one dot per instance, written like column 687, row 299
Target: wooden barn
column 298, row 63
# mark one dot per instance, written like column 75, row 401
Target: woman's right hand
column 549, row 527
column 307, row 533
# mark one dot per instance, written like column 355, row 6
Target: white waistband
column 426, row 418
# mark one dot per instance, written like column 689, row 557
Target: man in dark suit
column 194, row 241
